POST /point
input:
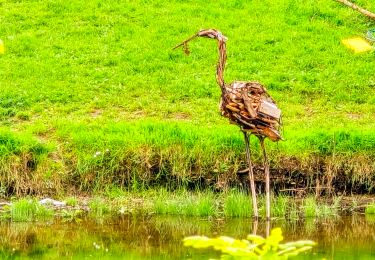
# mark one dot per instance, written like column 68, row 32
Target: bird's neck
column 221, row 66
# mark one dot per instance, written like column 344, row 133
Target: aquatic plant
column 233, row 203
column 280, row 206
column 165, row 204
column 293, row 210
column 326, row 210
column 253, row 247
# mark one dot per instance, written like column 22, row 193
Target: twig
column 357, row 8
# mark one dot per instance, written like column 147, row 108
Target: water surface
column 159, row 237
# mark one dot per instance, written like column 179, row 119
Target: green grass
column 228, row 205
column 25, row 210
column 185, row 203
column 71, row 201
column 312, row 208
column 280, row 206
column 234, row 203
column 99, row 207
column 93, row 96
column 237, row 204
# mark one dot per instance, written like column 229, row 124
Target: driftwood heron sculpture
column 248, row 105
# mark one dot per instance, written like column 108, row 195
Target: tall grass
column 237, row 204
column 312, row 208
column 230, row 204
column 280, row 206
column 24, row 210
column 186, row 203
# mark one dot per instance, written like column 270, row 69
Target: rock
column 49, row 201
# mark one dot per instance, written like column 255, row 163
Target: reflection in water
column 159, row 237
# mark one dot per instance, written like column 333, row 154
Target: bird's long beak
column 186, row 41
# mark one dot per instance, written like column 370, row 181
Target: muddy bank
column 316, row 175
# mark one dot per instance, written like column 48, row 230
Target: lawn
column 92, row 93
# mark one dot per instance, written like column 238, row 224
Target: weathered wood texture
column 246, row 104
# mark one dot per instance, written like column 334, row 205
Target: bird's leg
column 267, row 175
column 251, row 176
column 255, row 227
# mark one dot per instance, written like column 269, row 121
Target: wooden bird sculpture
column 248, row 105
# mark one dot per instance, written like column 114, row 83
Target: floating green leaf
column 255, row 247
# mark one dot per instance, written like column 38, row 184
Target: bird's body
column 248, row 105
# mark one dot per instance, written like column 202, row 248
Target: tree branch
column 357, row 8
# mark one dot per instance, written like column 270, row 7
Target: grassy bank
column 231, row 204
column 93, row 96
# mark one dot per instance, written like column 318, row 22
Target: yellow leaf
column 256, row 239
column 357, row 44
column 276, row 236
column 2, row 48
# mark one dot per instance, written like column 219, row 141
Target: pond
column 159, row 237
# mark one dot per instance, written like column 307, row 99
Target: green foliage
column 370, row 209
column 24, row 210
column 99, row 207
column 279, row 206
column 237, row 204
column 312, row 208
column 253, row 247
column 203, row 205
column 186, row 203
column 18, row 144
column 71, row 201
column 231, row 204
column 73, row 215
